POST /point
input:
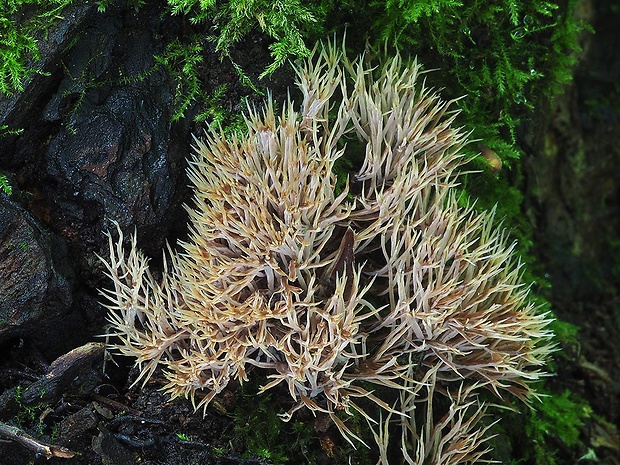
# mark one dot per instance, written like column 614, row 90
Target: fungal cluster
column 331, row 287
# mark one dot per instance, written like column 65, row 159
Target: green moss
column 5, row 186
column 286, row 22
column 503, row 54
column 259, row 428
column 102, row 5
column 559, row 415
column 28, row 415
column 20, row 23
column 544, row 434
column 181, row 60
column 5, row 130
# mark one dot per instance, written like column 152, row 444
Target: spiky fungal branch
column 388, row 283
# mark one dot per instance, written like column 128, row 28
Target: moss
column 183, row 60
column 28, row 416
column 20, row 22
column 506, row 56
column 5, row 186
column 103, row 4
column 560, row 416
column 263, row 441
column 295, row 442
column 286, row 23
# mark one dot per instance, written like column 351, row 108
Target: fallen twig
column 48, row 450
column 115, row 404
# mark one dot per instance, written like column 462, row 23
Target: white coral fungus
column 329, row 290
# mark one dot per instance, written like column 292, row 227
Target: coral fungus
column 387, row 282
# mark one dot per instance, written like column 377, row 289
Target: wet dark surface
column 36, row 284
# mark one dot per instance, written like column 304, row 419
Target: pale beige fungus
column 389, row 282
